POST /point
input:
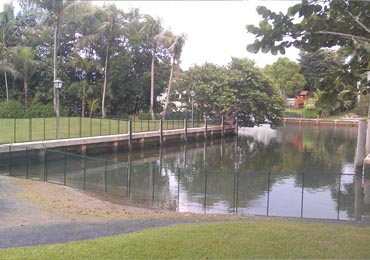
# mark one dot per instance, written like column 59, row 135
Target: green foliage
column 238, row 90
column 311, row 26
column 12, row 109
column 309, row 113
column 41, row 110
column 286, row 76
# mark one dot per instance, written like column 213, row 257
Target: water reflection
column 288, row 171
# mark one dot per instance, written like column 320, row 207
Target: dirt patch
column 33, row 202
column 30, row 202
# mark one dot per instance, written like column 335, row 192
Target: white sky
column 215, row 29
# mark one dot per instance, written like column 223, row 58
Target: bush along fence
column 177, row 188
column 16, row 130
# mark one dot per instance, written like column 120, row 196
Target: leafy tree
column 311, row 25
column 315, row 66
column 285, row 74
column 83, row 67
column 238, row 90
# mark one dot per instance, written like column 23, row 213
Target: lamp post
column 57, row 85
column 192, row 94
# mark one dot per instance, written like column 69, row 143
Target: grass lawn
column 251, row 239
column 38, row 129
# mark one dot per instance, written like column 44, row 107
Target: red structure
column 300, row 99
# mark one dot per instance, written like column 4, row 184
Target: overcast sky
column 215, row 29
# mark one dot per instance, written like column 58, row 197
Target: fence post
column 205, row 190
column 129, row 179
column 10, row 160
column 268, row 193
column 90, row 126
column 15, row 130
column 109, row 123
column 153, row 180
column 106, row 176
column 44, row 129
column 84, row 184
column 30, row 129
column 65, row 169
column 178, row 188
column 302, row 194
column 237, row 125
column 185, row 129
column 27, row 166
column 205, row 128
column 130, row 135
column 339, row 184
column 45, row 165
column 161, row 131
column 80, row 127
column 69, row 127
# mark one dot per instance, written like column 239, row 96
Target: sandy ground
column 36, row 213
column 26, row 202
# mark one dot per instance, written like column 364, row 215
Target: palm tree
column 107, row 31
column 6, row 23
column 23, row 62
column 175, row 49
column 57, row 10
column 83, row 66
column 157, row 37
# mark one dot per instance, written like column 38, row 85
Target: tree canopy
column 237, row 90
column 314, row 25
column 285, row 74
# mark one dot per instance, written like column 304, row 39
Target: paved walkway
column 63, row 232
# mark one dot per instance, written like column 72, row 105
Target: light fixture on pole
column 192, row 94
column 57, row 85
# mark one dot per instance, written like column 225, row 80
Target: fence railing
column 17, row 130
column 181, row 188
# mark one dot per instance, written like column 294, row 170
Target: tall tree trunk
column 6, row 86
column 151, row 110
column 168, row 90
column 105, row 81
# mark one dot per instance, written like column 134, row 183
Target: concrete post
column 361, row 139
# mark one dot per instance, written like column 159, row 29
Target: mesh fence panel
column 219, row 191
column 96, row 174
column 117, row 178
column 75, row 171
column 252, row 194
column 18, row 162
column 55, row 166
column 192, row 190
column 36, row 163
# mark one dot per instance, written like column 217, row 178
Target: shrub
column 12, row 109
column 41, row 110
column 309, row 113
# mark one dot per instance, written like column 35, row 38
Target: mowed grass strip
column 254, row 239
column 39, row 129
